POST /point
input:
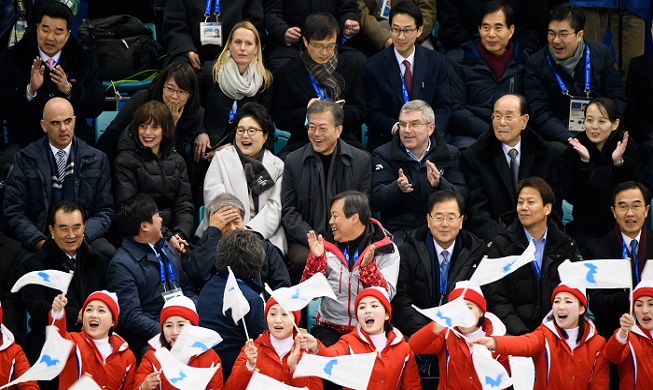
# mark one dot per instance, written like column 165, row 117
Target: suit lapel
column 419, row 73
column 303, row 80
column 502, row 167
column 393, row 72
column 525, row 164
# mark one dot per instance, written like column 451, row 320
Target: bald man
column 58, row 167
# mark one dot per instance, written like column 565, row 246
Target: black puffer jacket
column 415, row 285
column 137, row 170
column 519, row 300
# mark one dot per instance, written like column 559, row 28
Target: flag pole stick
column 240, row 309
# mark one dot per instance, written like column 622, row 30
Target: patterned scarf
column 257, row 177
column 325, row 74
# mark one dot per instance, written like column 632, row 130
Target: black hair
column 186, row 80
column 572, row 13
column 243, row 252
column 56, row 10
column 445, row 196
column 67, row 207
column 135, row 210
column 354, row 203
column 494, row 6
column 548, row 197
column 606, row 106
column 257, row 112
column 629, row 185
column 327, row 105
column 407, row 7
column 320, row 26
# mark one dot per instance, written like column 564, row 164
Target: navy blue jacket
column 134, row 274
column 209, row 308
column 28, row 191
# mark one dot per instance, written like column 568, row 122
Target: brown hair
column 155, row 112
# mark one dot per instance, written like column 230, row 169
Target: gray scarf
column 237, row 86
column 569, row 64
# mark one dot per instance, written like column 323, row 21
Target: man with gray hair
column 313, row 175
column 409, row 168
column 225, row 214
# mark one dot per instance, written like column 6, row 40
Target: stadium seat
column 102, row 122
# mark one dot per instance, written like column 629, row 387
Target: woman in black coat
column 595, row 161
column 148, row 163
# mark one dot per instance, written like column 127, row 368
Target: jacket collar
column 470, row 52
column 438, row 150
column 589, row 329
column 7, row 338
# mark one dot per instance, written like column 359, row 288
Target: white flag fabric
column 491, row 374
column 52, row 360
column 596, row 273
column 182, row 376
column 491, row 270
column 54, row 279
column 299, row 296
column 260, row 382
column 234, row 299
column 523, row 372
column 85, row 383
column 647, row 272
column 351, row 371
column 194, row 340
column 454, row 313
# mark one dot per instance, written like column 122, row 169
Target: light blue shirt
column 539, row 247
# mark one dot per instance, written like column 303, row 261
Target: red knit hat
column 643, row 289
column 378, row 293
column 473, row 294
column 271, row 302
column 108, row 298
column 181, row 306
column 578, row 292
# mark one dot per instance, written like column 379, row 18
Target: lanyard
column 346, row 253
column 624, row 255
column 232, row 112
column 317, row 89
column 216, row 8
column 538, row 271
column 404, row 91
column 162, row 272
column 444, row 281
column 562, row 85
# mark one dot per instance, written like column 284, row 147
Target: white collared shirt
column 507, row 148
column 627, row 240
column 55, row 150
column 439, row 250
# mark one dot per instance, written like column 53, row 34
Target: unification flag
column 454, row 313
column 234, row 299
column 491, row 270
column 299, row 296
column 260, row 381
column 491, row 374
column 596, row 273
column 85, row 383
column 182, row 376
column 194, row 340
column 54, row 279
column 52, row 360
column 351, row 371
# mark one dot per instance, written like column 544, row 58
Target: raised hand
column 580, row 148
column 315, row 244
column 59, row 303
column 403, row 183
column 368, row 257
column 251, row 352
column 626, row 322
column 36, row 75
column 432, row 174
column 618, row 154
column 151, row 381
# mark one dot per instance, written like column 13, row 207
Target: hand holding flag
column 53, row 279
column 491, row 270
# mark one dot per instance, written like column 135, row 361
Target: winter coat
column 117, row 371
column 406, row 211
column 226, row 174
column 306, row 193
column 639, row 8
column 549, row 107
column 383, row 272
column 395, row 366
column 268, row 363
column 639, row 94
column 137, row 170
column 491, row 190
column 150, row 363
column 28, row 191
column 134, row 274
column 418, row 284
column 474, row 88
column 454, row 356
column 13, row 361
column 633, row 358
column 520, row 300
column 588, row 186
column 556, row 365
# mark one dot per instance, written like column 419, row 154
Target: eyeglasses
column 251, row 131
column 178, row 92
column 407, row 31
column 412, row 125
column 507, row 118
column 321, row 129
column 439, row 218
column 562, row 34
column 320, row 47
column 622, row 208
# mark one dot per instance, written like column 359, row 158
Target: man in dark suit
column 404, row 72
column 318, row 73
column 487, row 168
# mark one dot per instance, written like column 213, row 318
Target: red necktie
column 408, row 78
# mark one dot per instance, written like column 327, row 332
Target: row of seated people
column 424, row 271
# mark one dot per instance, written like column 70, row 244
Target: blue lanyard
column 562, row 85
column 216, row 8
column 346, row 253
column 444, row 280
column 232, row 112
column 162, row 272
column 317, row 89
column 538, row 271
column 624, row 255
column 404, row 91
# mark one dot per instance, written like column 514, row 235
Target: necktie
column 408, row 78
column 444, row 271
column 61, row 163
column 514, row 165
column 633, row 255
column 51, row 63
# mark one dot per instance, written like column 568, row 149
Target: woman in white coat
column 248, row 170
